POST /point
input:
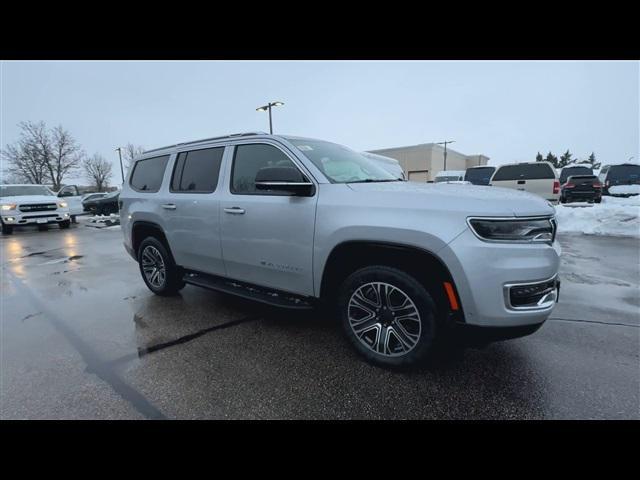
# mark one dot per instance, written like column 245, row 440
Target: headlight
column 529, row 230
column 8, row 206
column 62, row 204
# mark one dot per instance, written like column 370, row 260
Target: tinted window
column 248, row 159
column 524, row 172
column 147, row 174
column 479, row 176
column 197, row 171
column 568, row 171
column 619, row 173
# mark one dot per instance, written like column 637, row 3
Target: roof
column 203, row 140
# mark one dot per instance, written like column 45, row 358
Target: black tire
column 172, row 283
column 7, row 229
column 404, row 285
column 65, row 224
column 598, row 200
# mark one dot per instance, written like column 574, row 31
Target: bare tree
column 98, row 169
column 41, row 156
column 66, row 156
column 130, row 152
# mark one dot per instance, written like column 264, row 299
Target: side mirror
column 284, row 179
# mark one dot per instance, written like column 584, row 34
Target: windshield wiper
column 371, row 180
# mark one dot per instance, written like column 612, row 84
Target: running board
column 276, row 298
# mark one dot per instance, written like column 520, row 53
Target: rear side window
column 248, row 159
column 147, row 174
column 524, row 172
column 570, row 171
column 479, row 176
column 197, row 171
column 624, row 172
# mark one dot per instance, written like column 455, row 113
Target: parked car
column 581, row 188
column 73, row 198
column 297, row 222
column 538, row 178
column 566, row 172
column 479, row 175
column 31, row 205
column 105, row 205
column 391, row 165
column 89, row 198
column 620, row 177
column 449, row 176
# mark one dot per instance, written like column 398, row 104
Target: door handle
column 234, row 210
column 169, row 206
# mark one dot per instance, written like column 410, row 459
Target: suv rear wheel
column 158, row 269
column 388, row 316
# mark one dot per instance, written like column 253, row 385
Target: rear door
column 191, row 210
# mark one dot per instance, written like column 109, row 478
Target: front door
column 71, row 195
column 267, row 236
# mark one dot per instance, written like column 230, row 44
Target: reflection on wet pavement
column 82, row 337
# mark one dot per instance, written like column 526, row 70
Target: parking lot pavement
column 82, row 337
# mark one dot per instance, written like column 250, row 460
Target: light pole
column 267, row 107
column 445, row 150
column 119, row 150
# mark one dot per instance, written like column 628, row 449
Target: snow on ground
column 103, row 221
column 625, row 190
column 614, row 216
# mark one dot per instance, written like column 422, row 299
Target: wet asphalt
column 83, row 338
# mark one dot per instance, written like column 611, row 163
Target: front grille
column 54, row 215
column 554, row 227
column 529, row 295
column 38, row 207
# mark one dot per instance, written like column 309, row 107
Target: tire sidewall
column 170, row 283
column 411, row 287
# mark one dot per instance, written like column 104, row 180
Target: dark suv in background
column 566, row 172
column 581, row 188
column 619, row 176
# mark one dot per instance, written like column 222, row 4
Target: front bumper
column 17, row 218
column 484, row 272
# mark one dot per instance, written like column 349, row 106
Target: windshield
column 452, row 178
column 568, row 172
column 479, row 176
column 621, row 173
column 341, row 164
column 20, row 190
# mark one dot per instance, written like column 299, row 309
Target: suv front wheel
column 158, row 269
column 388, row 316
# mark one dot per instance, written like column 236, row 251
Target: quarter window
column 197, row 171
column 248, row 159
column 148, row 173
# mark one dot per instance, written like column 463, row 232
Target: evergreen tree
column 552, row 159
column 565, row 159
column 592, row 160
column 539, row 157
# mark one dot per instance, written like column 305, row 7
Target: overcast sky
column 506, row 110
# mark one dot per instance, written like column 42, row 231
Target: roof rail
column 243, row 134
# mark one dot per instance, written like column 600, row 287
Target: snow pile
column 614, row 216
column 625, row 190
column 103, row 221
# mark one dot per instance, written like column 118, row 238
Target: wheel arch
column 429, row 269
column 142, row 229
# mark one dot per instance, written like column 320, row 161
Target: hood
column 24, row 199
column 470, row 199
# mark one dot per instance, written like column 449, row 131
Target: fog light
column 66, row 214
column 10, row 219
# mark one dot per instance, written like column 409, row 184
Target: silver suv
column 295, row 222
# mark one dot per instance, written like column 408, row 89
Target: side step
column 276, row 298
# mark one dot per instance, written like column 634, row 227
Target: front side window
column 148, row 173
column 197, row 171
column 524, row 172
column 341, row 164
column 249, row 159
